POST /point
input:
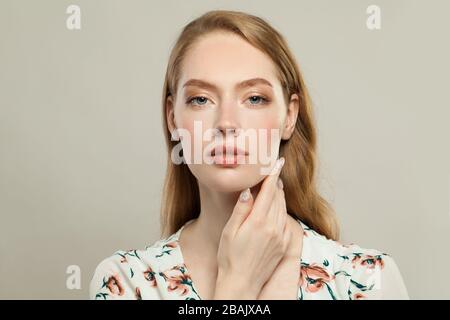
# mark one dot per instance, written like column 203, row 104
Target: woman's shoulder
column 135, row 273
column 348, row 271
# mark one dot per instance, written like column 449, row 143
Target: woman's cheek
column 195, row 130
column 269, row 137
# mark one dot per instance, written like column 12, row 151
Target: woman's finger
column 240, row 212
column 267, row 192
column 281, row 215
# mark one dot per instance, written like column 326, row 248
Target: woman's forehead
column 226, row 58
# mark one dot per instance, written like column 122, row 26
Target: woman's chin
column 232, row 181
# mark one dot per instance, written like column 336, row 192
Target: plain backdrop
column 82, row 155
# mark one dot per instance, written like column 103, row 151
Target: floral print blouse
column 327, row 270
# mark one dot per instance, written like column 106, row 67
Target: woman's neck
column 215, row 210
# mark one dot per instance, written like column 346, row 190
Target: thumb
column 241, row 211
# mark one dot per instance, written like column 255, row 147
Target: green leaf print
column 358, row 285
column 342, row 272
column 163, row 253
column 330, row 291
column 104, row 283
column 101, row 295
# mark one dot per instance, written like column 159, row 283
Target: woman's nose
column 227, row 120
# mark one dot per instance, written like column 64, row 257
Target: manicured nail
column 245, row 195
column 281, row 163
column 277, row 167
column 280, row 183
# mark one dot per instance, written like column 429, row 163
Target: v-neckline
column 186, row 270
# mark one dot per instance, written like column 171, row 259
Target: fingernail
column 280, row 183
column 277, row 167
column 281, row 164
column 245, row 195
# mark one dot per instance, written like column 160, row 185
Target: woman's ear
column 291, row 117
column 170, row 115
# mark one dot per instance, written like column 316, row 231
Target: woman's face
column 219, row 107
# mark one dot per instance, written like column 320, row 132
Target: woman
column 238, row 226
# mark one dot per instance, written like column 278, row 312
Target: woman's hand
column 253, row 241
column 284, row 281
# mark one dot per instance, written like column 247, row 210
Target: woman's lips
column 229, row 160
column 227, row 150
column 228, row 156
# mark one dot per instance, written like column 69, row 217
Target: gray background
column 82, row 156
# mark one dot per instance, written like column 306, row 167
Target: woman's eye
column 255, row 99
column 199, row 100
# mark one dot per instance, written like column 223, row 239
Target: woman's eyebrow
column 240, row 85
